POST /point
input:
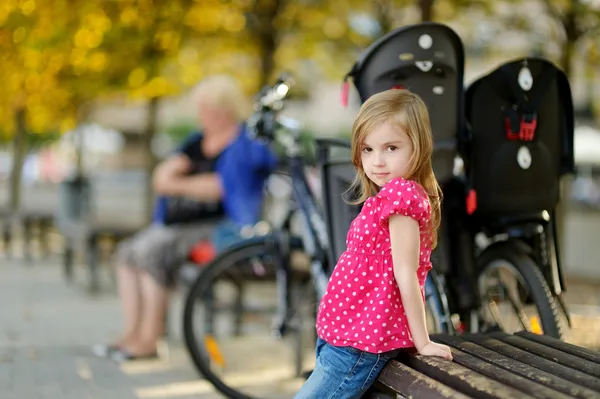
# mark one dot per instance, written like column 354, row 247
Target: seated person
column 215, row 181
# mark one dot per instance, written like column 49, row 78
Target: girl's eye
column 366, row 149
column 392, row 148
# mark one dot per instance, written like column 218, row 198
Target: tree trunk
column 384, row 15
column 19, row 152
column 426, row 7
column 268, row 47
column 149, row 155
column 267, row 37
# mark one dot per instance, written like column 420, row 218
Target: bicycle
column 297, row 292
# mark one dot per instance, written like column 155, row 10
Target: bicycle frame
column 314, row 235
column 314, row 232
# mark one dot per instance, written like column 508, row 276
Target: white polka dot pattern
column 362, row 306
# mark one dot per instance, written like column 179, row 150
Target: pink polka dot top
column 362, row 307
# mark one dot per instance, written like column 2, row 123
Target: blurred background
column 101, row 88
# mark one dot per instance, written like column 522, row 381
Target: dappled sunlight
column 274, row 381
column 146, row 367
column 174, row 390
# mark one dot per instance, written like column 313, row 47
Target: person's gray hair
column 223, row 91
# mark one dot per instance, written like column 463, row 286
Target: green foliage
column 180, row 130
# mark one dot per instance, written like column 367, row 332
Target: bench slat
column 506, row 377
column 546, row 352
column 463, row 379
column 534, row 374
column 535, row 361
column 409, row 383
column 571, row 349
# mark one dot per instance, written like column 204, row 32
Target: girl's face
column 385, row 154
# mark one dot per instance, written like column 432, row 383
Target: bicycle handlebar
column 271, row 96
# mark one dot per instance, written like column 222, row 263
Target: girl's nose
column 378, row 159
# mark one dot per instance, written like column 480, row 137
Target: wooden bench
column 87, row 237
column 495, row 365
column 28, row 221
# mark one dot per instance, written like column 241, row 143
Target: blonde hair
column 223, row 91
column 407, row 111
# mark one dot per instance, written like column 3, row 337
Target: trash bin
column 73, row 200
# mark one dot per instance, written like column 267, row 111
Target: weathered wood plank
column 506, row 377
column 531, row 359
column 563, row 346
column 517, row 367
column 546, row 352
column 463, row 379
column 410, row 383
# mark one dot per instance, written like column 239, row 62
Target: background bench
column 91, row 210
column 495, row 365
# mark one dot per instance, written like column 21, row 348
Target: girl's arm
column 405, row 241
column 404, row 237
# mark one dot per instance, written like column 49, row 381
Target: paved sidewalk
column 47, row 329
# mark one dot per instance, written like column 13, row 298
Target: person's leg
column 160, row 256
column 155, row 299
column 129, row 288
column 129, row 291
column 342, row 373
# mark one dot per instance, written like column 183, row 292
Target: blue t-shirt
column 244, row 165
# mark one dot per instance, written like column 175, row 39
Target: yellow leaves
column 333, row 28
column 67, row 124
column 98, row 61
column 137, row 77
column 128, row 16
column 8, row 5
column 311, row 19
column 78, row 58
column 55, row 63
column 87, row 38
column 32, row 83
column 167, row 40
column 190, row 74
column 188, row 55
column 27, row 7
column 204, row 18
column 5, row 37
column 32, row 59
column 234, row 22
column 156, row 87
column 98, row 22
column 19, row 34
column 14, row 82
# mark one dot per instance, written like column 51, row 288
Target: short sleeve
column 261, row 157
column 403, row 197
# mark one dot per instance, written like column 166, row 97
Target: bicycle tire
column 436, row 302
column 245, row 250
column 529, row 270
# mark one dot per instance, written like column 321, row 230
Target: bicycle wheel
column 437, row 314
column 514, row 294
column 228, row 324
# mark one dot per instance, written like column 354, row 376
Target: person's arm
column 404, row 238
column 171, row 179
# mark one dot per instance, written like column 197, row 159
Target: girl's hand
column 435, row 349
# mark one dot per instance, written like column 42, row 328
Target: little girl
column 374, row 303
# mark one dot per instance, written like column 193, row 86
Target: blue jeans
column 343, row 372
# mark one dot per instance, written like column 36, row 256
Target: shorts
column 160, row 250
